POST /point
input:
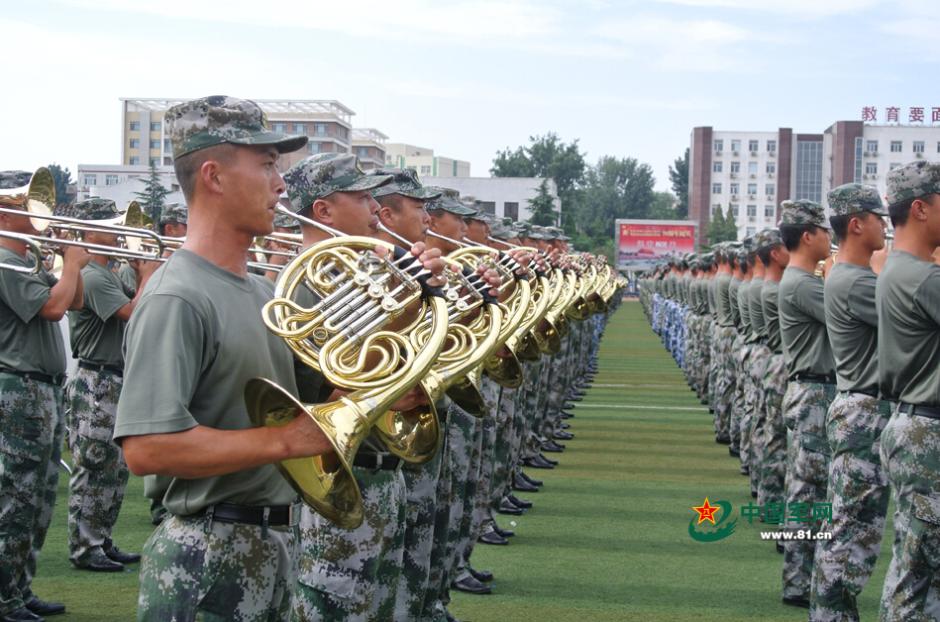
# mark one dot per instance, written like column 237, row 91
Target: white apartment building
column 423, row 160
column 500, row 196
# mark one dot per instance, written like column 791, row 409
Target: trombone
column 31, row 245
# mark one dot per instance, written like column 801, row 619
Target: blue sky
column 468, row 78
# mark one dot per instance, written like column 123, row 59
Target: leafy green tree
column 679, row 178
column 63, row 180
column 722, row 227
column 664, row 207
column 542, row 207
column 731, row 226
column 152, row 198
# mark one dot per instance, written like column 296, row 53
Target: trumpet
column 354, row 293
column 32, row 246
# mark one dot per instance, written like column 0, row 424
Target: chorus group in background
column 821, row 366
column 330, row 380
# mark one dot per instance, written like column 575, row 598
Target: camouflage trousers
column 30, row 424
column 197, row 569
column 502, row 455
column 858, row 491
column 725, row 382
column 752, row 424
column 433, row 598
column 910, row 446
column 539, row 407
column 701, row 370
column 804, row 413
column 99, row 473
column 691, row 349
column 741, row 353
column 354, row 574
column 421, row 493
column 481, row 504
column 772, row 457
column 713, row 365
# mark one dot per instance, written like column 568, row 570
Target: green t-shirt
column 744, row 312
column 723, row 300
column 769, row 297
column 27, row 342
column 712, row 294
column 97, row 335
column 733, row 308
column 758, row 328
column 195, row 339
column 908, row 301
column 803, row 324
column 852, row 322
column 128, row 277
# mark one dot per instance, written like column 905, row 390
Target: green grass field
column 607, row 539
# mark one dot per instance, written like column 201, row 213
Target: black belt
column 261, row 515
column 817, row 378
column 869, row 392
column 36, row 376
column 376, row 461
column 931, row 412
column 100, row 367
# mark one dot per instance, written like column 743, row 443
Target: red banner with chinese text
column 643, row 243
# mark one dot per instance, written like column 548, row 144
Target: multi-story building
column 752, row 172
column 500, row 196
column 423, row 160
column 119, row 183
column 369, row 146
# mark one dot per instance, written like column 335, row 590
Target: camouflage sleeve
column 165, row 348
column 104, row 296
column 24, row 293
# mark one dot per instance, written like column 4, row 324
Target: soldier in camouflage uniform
column 739, row 352
column 811, row 382
column 771, row 459
column 907, row 297
column 228, row 548
column 760, row 356
column 99, row 474
column 32, row 366
column 724, row 344
column 858, row 488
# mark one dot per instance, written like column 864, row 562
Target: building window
column 735, row 167
column 488, row 206
column 735, row 188
column 769, row 211
column 858, row 159
column 769, row 190
column 167, row 161
column 426, row 169
column 894, row 165
column 89, row 179
column 752, row 146
column 719, row 145
column 134, row 160
column 752, row 168
column 771, row 146
column 871, row 146
column 313, row 147
column 155, row 126
column 716, row 167
column 809, row 170
column 752, row 189
column 752, row 210
column 135, row 143
column 167, row 146
column 735, row 146
column 716, row 188
column 938, row 147
column 134, row 126
column 750, row 231
column 362, row 152
column 110, row 180
column 154, row 161
column 896, row 146
column 771, row 168
column 319, row 129
column 342, row 132
column 918, row 146
column 511, row 209
column 734, row 211
column 280, row 128
column 300, row 128
column 154, row 143
column 871, row 168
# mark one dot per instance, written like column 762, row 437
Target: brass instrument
column 354, row 293
column 31, row 245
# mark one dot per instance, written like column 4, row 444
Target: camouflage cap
column 95, row 208
column 537, row 232
column 283, row 221
column 803, row 212
column 767, row 238
column 483, row 216
column 404, row 182
column 219, row 119
column 448, row 201
column 174, row 212
column 854, row 198
column 14, row 179
column 559, row 233
column 501, row 231
column 318, row 176
column 912, row 181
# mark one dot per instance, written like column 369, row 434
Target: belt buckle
column 293, row 514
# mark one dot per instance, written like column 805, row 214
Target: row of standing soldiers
column 821, row 371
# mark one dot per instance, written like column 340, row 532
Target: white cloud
column 794, row 8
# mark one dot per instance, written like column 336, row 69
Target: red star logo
column 706, row 512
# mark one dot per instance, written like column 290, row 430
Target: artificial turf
column 608, row 536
